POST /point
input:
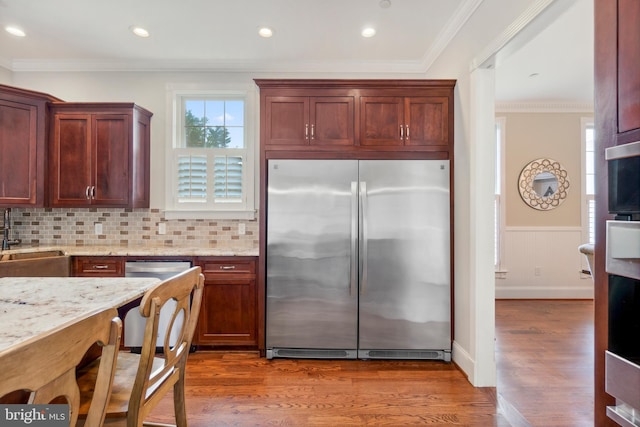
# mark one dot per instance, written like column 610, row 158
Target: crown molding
column 544, row 107
column 451, row 28
column 487, row 56
column 84, row 65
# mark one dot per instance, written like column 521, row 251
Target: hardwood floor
column 544, row 356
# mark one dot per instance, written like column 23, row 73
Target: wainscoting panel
column 543, row 263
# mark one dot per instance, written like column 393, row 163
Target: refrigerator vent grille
column 402, row 354
column 313, row 353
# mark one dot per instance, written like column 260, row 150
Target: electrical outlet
column 162, row 228
column 98, row 227
column 242, row 228
column 537, row 271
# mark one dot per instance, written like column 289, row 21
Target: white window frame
column 501, row 123
column 585, row 122
column 244, row 210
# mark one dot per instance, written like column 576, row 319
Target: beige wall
column 530, row 136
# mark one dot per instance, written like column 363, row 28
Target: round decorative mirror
column 543, row 184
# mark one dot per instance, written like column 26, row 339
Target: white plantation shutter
column 192, row 178
column 228, row 178
column 589, row 178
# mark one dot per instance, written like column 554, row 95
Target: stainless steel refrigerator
column 358, row 259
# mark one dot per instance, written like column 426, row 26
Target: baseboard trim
column 529, row 292
column 464, row 361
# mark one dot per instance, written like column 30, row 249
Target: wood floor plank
column 544, row 352
column 544, row 358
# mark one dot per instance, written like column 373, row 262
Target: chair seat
column 125, row 375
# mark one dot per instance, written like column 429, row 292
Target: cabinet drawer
column 622, row 381
column 98, row 266
column 231, row 266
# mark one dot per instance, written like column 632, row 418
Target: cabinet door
column 18, row 153
column 628, row 65
column 426, row 121
column 331, row 120
column 287, row 120
column 381, row 120
column 228, row 314
column 71, row 160
column 110, row 174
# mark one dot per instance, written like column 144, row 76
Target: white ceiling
column 310, row 35
column 555, row 64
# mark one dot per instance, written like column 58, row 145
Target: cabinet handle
column 86, row 192
column 313, row 131
column 401, row 132
column 93, row 191
column 407, row 126
column 306, row 131
column 227, row 267
column 100, row 267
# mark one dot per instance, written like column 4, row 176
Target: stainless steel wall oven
column 622, row 359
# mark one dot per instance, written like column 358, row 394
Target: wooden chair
column 141, row 380
column 46, row 367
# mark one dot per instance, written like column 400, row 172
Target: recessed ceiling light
column 265, row 32
column 139, row 31
column 385, row 4
column 369, row 32
column 15, row 31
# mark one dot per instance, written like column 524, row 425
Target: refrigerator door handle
column 353, row 273
column 364, row 242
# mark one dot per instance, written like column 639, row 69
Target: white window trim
column 175, row 92
column 501, row 163
column 584, row 123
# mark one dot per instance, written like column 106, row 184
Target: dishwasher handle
column 140, row 267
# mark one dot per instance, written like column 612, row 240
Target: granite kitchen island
column 33, row 306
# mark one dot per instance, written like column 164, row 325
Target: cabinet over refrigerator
column 358, row 259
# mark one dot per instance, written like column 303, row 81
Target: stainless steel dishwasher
column 133, row 322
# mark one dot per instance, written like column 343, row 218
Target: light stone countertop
column 137, row 251
column 30, row 306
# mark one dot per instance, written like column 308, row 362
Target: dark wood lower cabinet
column 228, row 316
column 230, row 306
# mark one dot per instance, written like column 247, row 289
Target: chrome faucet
column 6, row 226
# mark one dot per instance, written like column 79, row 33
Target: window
column 210, row 162
column 588, row 190
column 499, row 209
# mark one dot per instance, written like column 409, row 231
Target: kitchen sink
column 30, row 255
column 35, row 264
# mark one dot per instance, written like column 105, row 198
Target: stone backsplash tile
column 126, row 227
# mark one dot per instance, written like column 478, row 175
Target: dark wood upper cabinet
column 356, row 115
column 23, row 123
column 404, row 121
column 304, row 120
column 99, row 155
